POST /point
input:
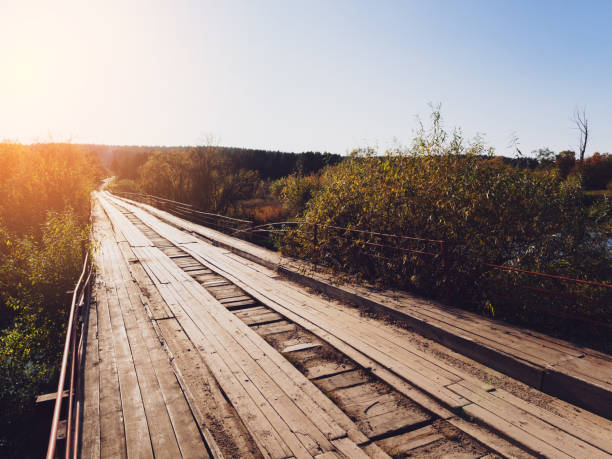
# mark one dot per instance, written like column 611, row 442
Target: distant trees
column 596, row 171
column 565, row 162
column 212, row 178
column 545, row 157
column 127, row 161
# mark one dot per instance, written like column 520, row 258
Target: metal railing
column 189, row 212
column 564, row 286
column 74, row 352
column 377, row 244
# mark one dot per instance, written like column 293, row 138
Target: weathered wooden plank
column 162, row 431
column 403, row 443
column 137, row 434
column 546, row 434
column 300, row 347
column 327, row 368
column 575, row 427
column 90, row 436
column 274, row 328
column 341, row 380
column 112, row 430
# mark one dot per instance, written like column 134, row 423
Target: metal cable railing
column 189, row 212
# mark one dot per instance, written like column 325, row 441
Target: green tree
column 565, row 161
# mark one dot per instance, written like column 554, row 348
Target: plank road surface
column 196, row 350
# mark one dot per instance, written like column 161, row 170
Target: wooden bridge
column 197, row 344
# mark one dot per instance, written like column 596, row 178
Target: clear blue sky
column 309, row 75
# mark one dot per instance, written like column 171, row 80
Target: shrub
column 295, row 191
column 124, row 185
column 597, row 171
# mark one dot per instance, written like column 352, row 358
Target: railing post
column 445, row 273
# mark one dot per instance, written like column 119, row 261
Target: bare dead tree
column 582, row 124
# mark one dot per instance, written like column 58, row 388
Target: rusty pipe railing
column 73, row 352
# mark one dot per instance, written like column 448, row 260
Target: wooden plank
column 574, row 427
column 491, row 438
column 300, row 347
column 235, row 299
column 342, row 380
column 155, row 406
column 585, row 419
column 251, row 384
column 156, row 305
column 293, row 375
column 349, row 449
column 237, row 305
column 137, row 436
column 506, row 428
column 274, row 328
column 264, row 435
column 327, row 368
column 250, row 311
column 403, row 443
column 375, row 452
column 528, row 424
column 350, row 326
column 198, row 384
column 215, row 283
column 391, row 422
column 173, row 429
column 263, row 255
column 112, row 430
column 368, row 401
column 216, row 416
column 90, row 436
column 262, row 319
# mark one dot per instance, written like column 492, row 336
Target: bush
column 124, row 185
column 597, row 171
column 295, row 191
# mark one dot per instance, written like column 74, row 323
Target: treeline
column 44, row 214
column 126, row 161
